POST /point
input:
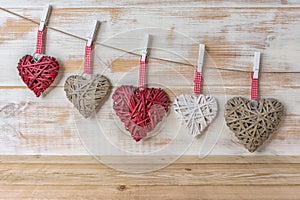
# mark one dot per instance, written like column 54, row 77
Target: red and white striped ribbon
column 254, row 87
column 197, row 82
column 87, row 58
column 198, row 74
column 142, row 73
column 40, row 41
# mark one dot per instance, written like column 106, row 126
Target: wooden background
column 41, row 153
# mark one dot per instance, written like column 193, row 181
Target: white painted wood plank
column 235, row 35
column 31, row 131
column 231, row 35
column 153, row 3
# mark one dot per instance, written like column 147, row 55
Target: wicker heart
column 86, row 92
column 253, row 122
column 38, row 75
column 196, row 111
column 140, row 110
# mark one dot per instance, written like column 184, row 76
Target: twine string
column 133, row 53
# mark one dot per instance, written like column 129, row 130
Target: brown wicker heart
column 87, row 92
column 253, row 122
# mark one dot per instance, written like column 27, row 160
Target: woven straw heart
column 253, row 122
column 140, row 110
column 38, row 75
column 196, row 111
column 86, row 94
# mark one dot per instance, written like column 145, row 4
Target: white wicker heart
column 196, row 111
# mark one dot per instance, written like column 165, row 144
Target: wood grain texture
column 118, row 192
column 232, row 30
column 58, row 177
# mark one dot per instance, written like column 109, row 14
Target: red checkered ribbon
column 87, row 59
column 142, row 73
column 254, row 87
column 197, row 82
column 40, row 41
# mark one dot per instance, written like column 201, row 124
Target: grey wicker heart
column 86, row 92
column 196, row 111
column 253, row 122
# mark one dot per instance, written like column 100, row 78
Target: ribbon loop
column 40, row 41
column 143, row 60
column 197, row 82
column 42, row 30
column 89, row 47
column 198, row 75
column 142, row 73
column 88, row 58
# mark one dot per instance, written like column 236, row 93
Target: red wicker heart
column 140, row 110
column 38, row 75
